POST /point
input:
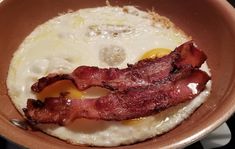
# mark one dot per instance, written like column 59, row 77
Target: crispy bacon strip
column 119, row 105
column 143, row 73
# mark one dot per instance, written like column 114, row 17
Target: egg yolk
column 63, row 88
column 158, row 52
column 133, row 121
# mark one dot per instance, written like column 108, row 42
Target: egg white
column 68, row 41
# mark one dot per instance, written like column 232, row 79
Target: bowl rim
column 209, row 127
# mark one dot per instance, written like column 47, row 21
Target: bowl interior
column 210, row 23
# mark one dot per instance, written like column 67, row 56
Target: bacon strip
column 119, row 105
column 143, row 73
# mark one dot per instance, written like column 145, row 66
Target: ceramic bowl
column 210, row 23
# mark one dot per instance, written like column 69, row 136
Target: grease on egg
column 112, row 55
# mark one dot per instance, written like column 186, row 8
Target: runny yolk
column 61, row 88
column 157, row 52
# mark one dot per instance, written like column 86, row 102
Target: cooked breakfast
column 145, row 88
column 108, row 76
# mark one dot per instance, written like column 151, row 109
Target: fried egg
column 104, row 37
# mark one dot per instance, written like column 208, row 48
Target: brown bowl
column 210, row 23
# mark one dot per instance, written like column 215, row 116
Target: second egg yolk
column 157, row 52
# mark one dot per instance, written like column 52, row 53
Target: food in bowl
column 104, row 37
